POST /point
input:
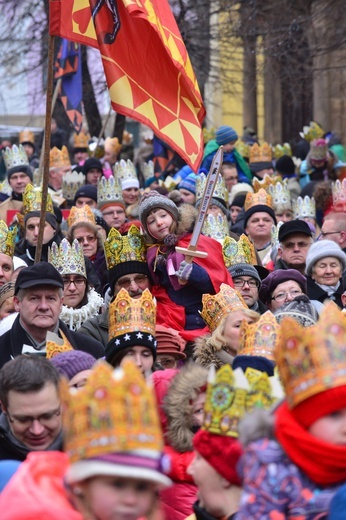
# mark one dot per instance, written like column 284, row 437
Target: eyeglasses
column 126, row 282
column 292, row 245
column 167, row 362
column 283, row 295
column 239, row 282
column 26, row 420
column 89, row 238
column 76, row 281
column 324, row 234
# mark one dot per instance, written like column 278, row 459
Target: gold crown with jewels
column 260, row 338
column 312, row 359
column 216, row 226
column 132, row 315
column 67, row 258
column 15, row 156
column 266, row 182
column 56, row 345
column 109, row 191
column 78, row 215
column 115, row 412
column 32, row 200
column 259, row 198
column 339, row 194
column 124, row 248
column 260, row 153
column 7, row 239
column 238, row 252
column 304, row 207
column 311, row 132
column 280, row 193
column 124, row 170
column 215, row 307
column 59, row 158
column 264, row 390
column 282, row 149
column 71, row 182
column 220, row 190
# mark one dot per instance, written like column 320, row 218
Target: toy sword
column 191, row 251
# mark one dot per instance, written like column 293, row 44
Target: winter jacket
column 201, row 514
column 12, row 449
column 315, row 292
column 97, row 328
column 12, row 342
column 207, row 354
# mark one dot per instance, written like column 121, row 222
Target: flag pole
column 46, row 144
column 102, row 131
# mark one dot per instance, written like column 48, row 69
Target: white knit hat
column 322, row 249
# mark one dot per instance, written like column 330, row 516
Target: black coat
column 11, row 343
column 315, row 292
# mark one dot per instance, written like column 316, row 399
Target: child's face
column 159, row 222
column 229, row 147
column 331, row 428
column 115, row 498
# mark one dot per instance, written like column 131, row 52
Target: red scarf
column 323, row 463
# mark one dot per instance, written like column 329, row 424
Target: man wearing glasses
column 334, row 228
column 248, row 282
column 31, row 418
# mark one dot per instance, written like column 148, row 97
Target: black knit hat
column 285, row 165
column 88, row 190
column 25, row 168
column 259, row 208
column 130, row 267
column 92, row 163
column 122, row 342
column 238, row 270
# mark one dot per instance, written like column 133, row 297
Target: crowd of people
column 139, row 381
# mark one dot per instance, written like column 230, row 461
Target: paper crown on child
column 260, row 338
column 125, row 172
column 313, row 359
column 260, row 153
column 216, row 226
column 109, row 192
column 217, row 306
column 261, row 198
column 266, row 182
column 220, row 190
column 56, row 345
column 67, row 258
column 339, row 195
column 15, row 156
column 71, row 182
column 124, row 248
column 311, row 132
column 78, row 215
column 112, row 427
column 81, row 140
column 304, row 208
column 280, row 193
column 7, row 239
column 282, row 149
column 59, row 158
column 238, row 252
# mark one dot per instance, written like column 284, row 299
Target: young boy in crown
column 296, row 469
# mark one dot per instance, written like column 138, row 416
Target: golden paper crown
column 311, row 132
column 7, row 239
column 220, row 190
column 112, row 145
column 282, row 149
column 280, row 193
column 83, row 214
column 304, row 207
column 256, row 199
column 32, row 200
column 26, row 136
column 71, row 182
column 339, row 194
column 124, row 248
column 238, row 252
column 132, row 315
column 217, row 306
column 55, row 346
column 260, row 153
column 59, row 158
column 109, row 190
column 15, row 156
column 124, row 170
column 115, row 412
column 170, row 183
column 260, row 394
column 243, row 149
column 81, row 140
column 266, row 182
column 260, row 338
column 312, row 359
column 67, row 258
column 216, row 227
column 148, row 170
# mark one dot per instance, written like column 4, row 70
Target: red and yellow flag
column 148, row 71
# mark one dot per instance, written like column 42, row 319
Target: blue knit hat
column 225, row 134
column 189, row 183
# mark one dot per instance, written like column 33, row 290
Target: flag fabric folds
column 68, row 67
column 147, row 68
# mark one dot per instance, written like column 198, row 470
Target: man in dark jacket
column 31, row 418
column 38, row 298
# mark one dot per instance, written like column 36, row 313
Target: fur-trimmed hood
column 257, row 424
column 207, row 354
column 177, row 405
column 185, row 224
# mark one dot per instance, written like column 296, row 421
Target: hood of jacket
column 177, row 405
column 207, row 354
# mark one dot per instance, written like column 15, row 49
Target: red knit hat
column 319, row 405
column 221, row 452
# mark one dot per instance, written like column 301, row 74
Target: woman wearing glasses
column 81, row 301
column 282, row 286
